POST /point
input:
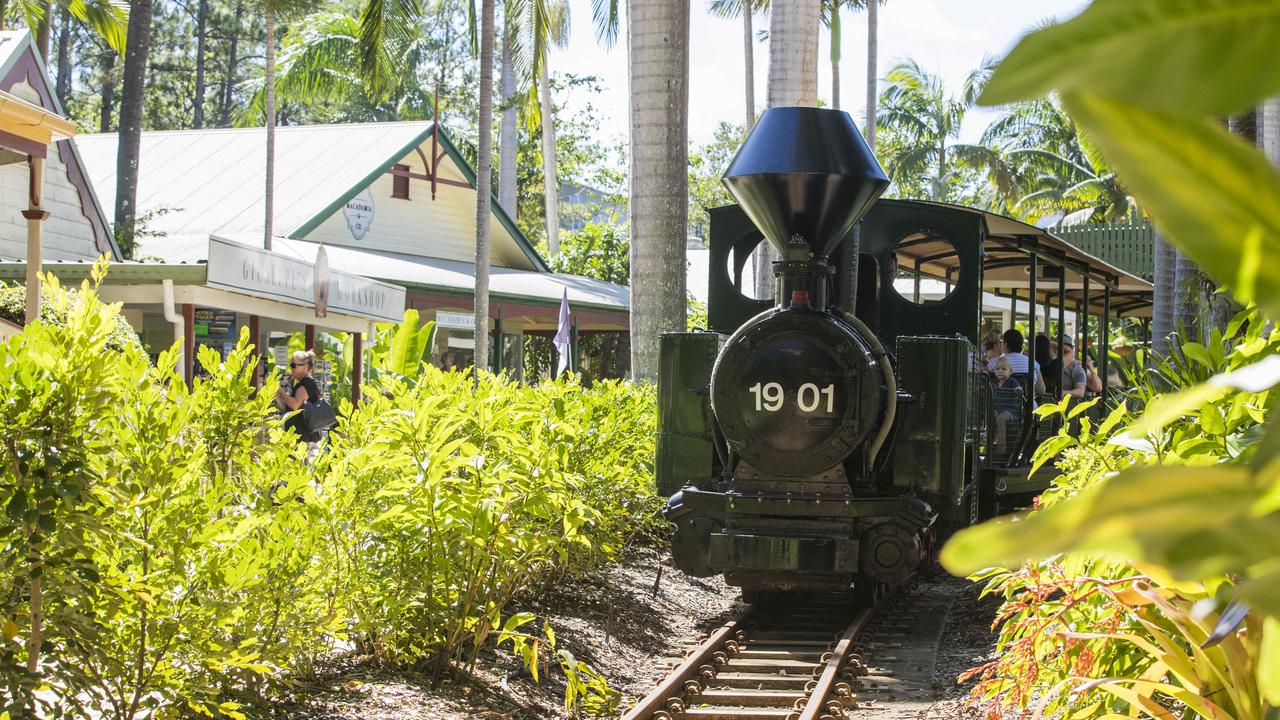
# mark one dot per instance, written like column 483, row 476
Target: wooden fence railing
column 1129, row 245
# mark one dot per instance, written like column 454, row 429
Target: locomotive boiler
column 807, row 442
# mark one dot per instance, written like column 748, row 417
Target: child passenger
column 1007, row 398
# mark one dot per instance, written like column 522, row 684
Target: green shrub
column 169, row 551
column 1099, row 631
column 13, row 307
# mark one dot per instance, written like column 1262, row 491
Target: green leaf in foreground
column 1214, row 57
column 1258, row 377
column 1213, row 194
column 1196, row 521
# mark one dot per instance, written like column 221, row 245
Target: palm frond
column 384, row 23
column 108, row 18
column 604, row 15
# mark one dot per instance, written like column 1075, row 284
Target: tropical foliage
column 13, row 307
column 1042, row 166
column 1160, row 594
column 1096, row 633
column 169, row 552
column 918, row 122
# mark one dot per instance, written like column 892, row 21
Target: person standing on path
column 296, row 390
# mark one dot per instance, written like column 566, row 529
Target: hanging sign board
column 359, row 214
column 255, row 271
column 455, row 320
column 321, row 282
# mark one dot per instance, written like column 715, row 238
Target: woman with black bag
column 299, row 392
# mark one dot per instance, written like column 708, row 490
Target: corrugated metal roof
column 451, row 275
column 199, row 182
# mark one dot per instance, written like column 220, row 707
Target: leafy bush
column 1160, row 594
column 13, row 307
column 169, row 551
column 1095, row 634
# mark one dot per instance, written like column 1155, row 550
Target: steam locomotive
column 823, row 438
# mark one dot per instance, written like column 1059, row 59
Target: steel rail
column 673, row 685
column 827, row 681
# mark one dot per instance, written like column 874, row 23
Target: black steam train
column 824, row 438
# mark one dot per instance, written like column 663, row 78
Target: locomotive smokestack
column 808, row 172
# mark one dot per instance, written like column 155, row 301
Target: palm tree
column 793, row 53
column 108, row 18
column 734, row 9
column 508, row 138
column 873, row 52
column 320, row 62
column 273, row 10
column 1041, row 164
column 919, row 122
column 1162, row 305
column 831, row 20
column 137, row 48
column 793, row 81
column 550, row 25
column 1269, row 139
column 658, row 68
column 484, row 184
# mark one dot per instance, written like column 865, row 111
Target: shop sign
column 455, row 320
column 359, row 214
column 255, row 271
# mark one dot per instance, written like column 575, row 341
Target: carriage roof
column 1008, row 246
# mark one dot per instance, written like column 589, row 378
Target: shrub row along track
column 791, row 660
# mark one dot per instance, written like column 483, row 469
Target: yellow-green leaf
column 1196, row 521
column 1167, row 54
column 1269, row 661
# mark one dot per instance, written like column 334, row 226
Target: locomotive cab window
column 742, row 268
column 926, row 268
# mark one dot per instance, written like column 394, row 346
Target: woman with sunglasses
column 293, row 395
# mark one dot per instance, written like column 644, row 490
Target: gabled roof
column 19, row 62
column 204, row 182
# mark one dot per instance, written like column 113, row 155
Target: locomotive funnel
column 805, row 171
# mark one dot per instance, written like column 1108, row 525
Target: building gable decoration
column 20, row 63
column 359, row 214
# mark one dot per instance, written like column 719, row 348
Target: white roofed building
column 391, row 201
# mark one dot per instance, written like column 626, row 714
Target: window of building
column 400, row 183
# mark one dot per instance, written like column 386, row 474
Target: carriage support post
column 1031, row 338
column 1062, row 327
column 1105, row 357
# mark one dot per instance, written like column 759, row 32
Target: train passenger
column 1074, row 378
column 1021, row 363
column 1007, row 399
column 1045, row 351
column 993, row 345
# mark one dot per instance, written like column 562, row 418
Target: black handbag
column 318, row 415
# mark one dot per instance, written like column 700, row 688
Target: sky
column 949, row 37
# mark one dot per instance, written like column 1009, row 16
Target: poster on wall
column 359, row 214
column 216, row 328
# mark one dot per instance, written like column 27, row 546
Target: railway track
column 791, row 660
